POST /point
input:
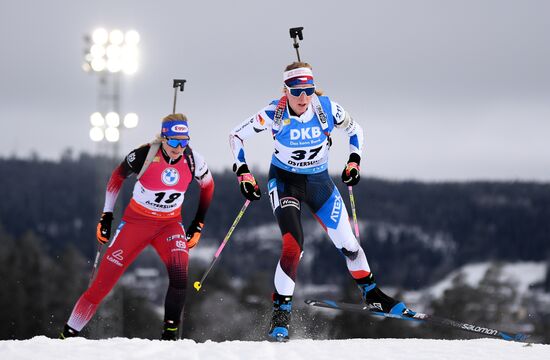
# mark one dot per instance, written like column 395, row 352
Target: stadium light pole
column 108, row 55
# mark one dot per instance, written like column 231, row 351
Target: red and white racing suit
column 153, row 217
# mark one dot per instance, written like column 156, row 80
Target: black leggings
column 287, row 192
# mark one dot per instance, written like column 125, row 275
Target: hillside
column 416, row 235
column 428, row 228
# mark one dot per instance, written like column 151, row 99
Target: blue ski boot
column 377, row 301
column 282, row 305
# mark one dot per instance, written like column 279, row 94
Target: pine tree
column 27, row 269
column 456, row 303
column 139, row 317
column 495, row 298
column 69, row 280
column 547, row 278
column 10, row 297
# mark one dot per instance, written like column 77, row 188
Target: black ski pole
column 297, row 32
column 353, row 212
column 96, row 263
column 178, row 83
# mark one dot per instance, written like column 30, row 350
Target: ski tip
column 197, row 285
column 521, row 337
column 323, row 303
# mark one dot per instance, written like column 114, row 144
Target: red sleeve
column 207, row 191
column 113, row 187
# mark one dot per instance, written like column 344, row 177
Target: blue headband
column 175, row 128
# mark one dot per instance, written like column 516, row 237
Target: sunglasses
column 177, row 142
column 298, row 91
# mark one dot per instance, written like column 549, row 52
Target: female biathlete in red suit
column 165, row 169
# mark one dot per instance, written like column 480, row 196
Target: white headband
column 299, row 72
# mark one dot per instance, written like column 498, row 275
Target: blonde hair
column 172, row 117
column 301, row 64
column 298, row 64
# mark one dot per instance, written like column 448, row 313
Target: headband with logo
column 299, row 76
column 175, row 128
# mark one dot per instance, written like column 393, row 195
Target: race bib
column 165, row 201
column 301, row 145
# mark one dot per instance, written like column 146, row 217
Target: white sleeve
column 251, row 126
column 342, row 120
column 202, row 174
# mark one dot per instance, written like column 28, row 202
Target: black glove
column 103, row 232
column 247, row 183
column 350, row 175
column 194, row 233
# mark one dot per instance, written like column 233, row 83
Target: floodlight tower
column 108, row 54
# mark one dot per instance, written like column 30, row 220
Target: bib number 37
column 301, row 154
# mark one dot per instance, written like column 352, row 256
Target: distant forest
column 427, row 228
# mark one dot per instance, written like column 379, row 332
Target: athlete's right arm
column 257, row 123
column 131, row 164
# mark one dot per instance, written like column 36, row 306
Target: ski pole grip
column 297, row 31
column 179, row 83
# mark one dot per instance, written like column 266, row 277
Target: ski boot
column 170, row 330
column 377, row 301
column 282, row 305
column 68, row 332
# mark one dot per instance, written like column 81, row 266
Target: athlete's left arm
column 204, row 178
column 344, row 121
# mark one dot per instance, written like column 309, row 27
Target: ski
column 419, row 317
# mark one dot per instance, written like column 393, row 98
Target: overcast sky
column 445, row 90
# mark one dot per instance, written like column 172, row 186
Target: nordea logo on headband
column 179, row 128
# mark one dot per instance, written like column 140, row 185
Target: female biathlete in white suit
column 301, row 123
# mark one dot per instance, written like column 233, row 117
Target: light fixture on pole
column 112, row 51
column 110, row 54
column 108, row 127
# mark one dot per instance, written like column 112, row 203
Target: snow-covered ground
column 42, row 348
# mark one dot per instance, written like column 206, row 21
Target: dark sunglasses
column 175, row 142
column 298, row 91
